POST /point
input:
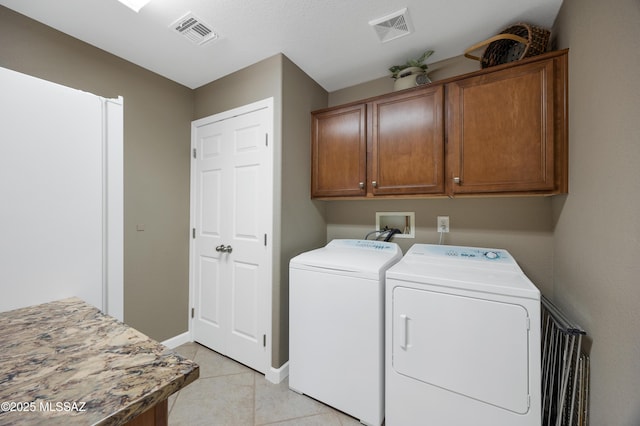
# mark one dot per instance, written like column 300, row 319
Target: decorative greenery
column 418, row 62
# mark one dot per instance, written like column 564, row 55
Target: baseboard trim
column 178, row 340
column 276, row 375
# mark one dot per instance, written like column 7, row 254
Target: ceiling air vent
column 194, row 29
column 392, row 26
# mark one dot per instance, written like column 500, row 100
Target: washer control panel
column 364, row 245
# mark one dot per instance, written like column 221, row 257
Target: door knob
column 224, row 249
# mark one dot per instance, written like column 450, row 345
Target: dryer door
column 474, row 347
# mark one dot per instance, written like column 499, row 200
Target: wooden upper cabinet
column 500, row 130
column 506, row 130
column 339, row 151
column 389, row 146
column 407, row 144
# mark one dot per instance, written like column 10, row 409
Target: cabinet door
column 408, row 143
column 501, row 131
column 339, row 152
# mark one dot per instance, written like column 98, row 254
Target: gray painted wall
column 580, row 248
column 436, row 71
column 299, row 223
column 521, row 225
column 157, row 116
column 597, row 225
column 569, row 245
column 302, row 226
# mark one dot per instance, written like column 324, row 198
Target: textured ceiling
column 330, row 40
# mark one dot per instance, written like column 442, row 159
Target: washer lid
column 367, row 258
column 468, row 268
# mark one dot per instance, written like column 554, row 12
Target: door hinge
column 266, row 139
column 264, row 340
column 195, row 153
column 193, row 312
column 193, row 232
column 528, row 323
column 265, row 240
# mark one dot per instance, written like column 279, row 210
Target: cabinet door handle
column 374, row 184
column 361, row 185
column 457, row 180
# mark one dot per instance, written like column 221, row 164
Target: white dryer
column 463, row 339
column 336, row 325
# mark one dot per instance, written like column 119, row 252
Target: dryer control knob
column 491, row 255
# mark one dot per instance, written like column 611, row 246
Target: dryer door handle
column 404, row 330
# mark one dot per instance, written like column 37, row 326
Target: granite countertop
column 66, row 362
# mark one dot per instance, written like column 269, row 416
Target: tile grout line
column 175, row 400
column 253, row 376
column 267, row 418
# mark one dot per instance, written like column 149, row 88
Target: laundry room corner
column 521, row 225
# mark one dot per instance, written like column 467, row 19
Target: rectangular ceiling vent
column 392, row 26
column 194, row 29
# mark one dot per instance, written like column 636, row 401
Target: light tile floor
column 231, row 394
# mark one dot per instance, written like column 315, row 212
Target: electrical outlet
column 443, row 223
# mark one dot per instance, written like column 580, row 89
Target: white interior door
column 232, row 222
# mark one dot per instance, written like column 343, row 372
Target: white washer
column 336, row 325
column 463, row 339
